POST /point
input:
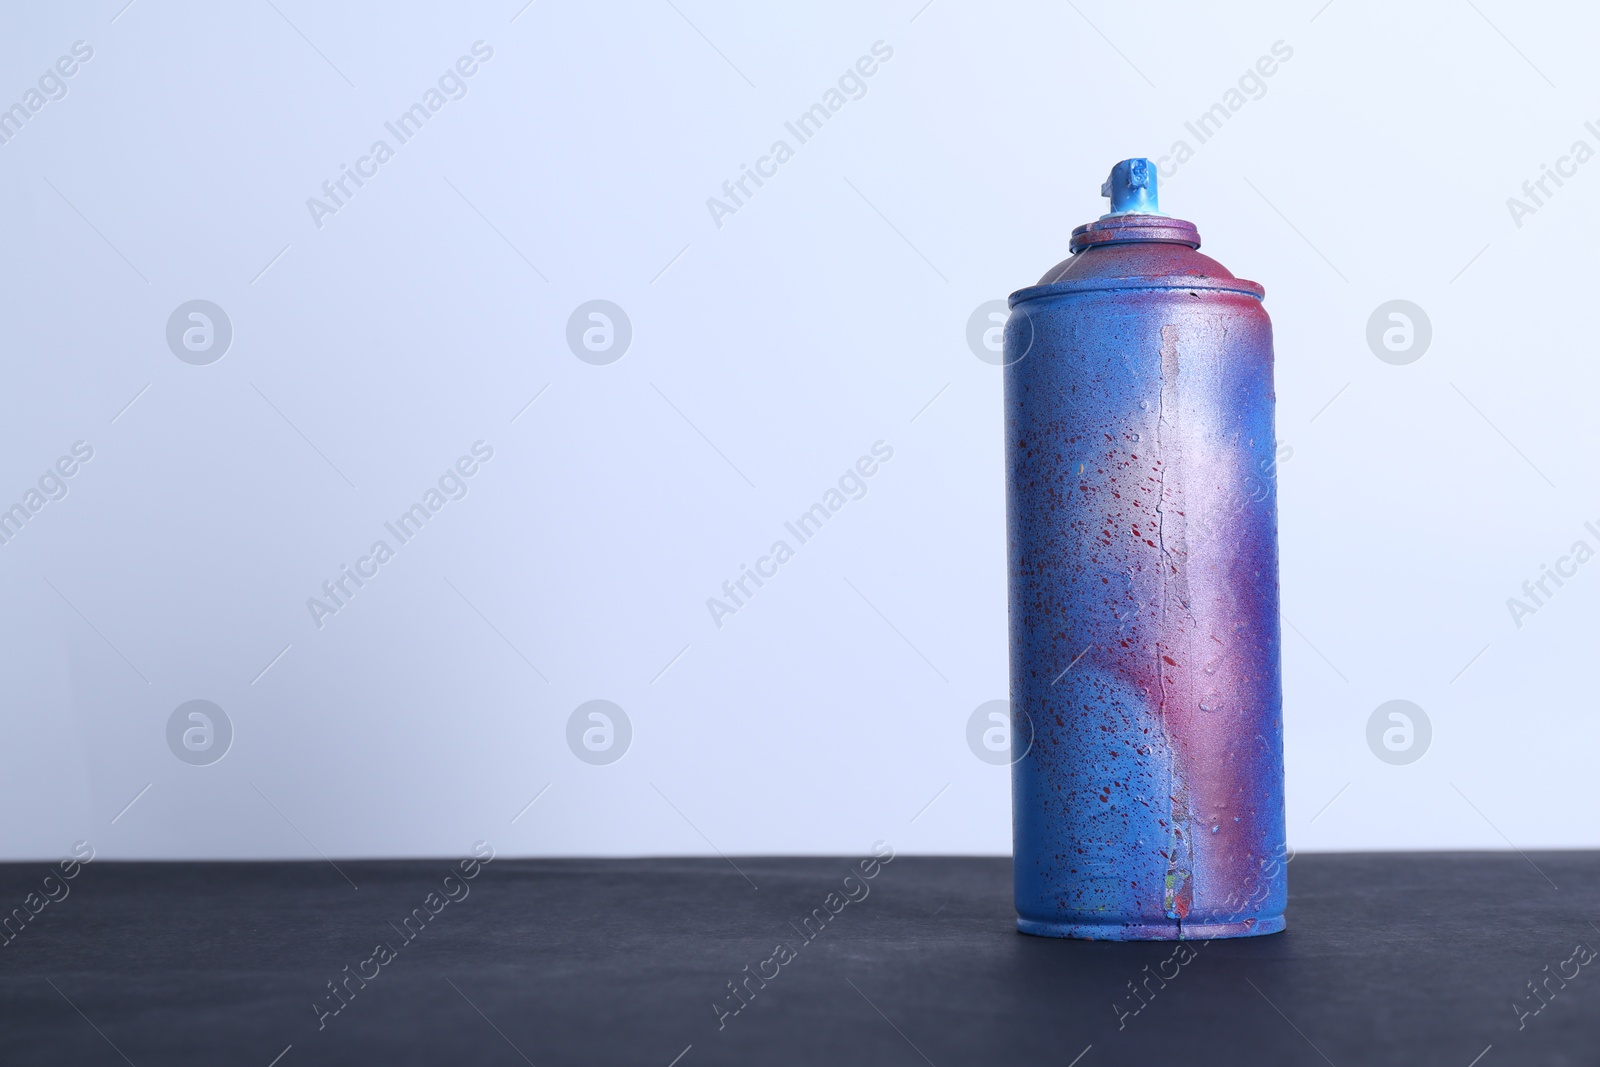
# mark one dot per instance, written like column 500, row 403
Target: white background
column 767, row 356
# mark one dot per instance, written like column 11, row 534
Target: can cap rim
column 1134, row 229
column 1179, row 283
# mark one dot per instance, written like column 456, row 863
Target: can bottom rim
column 1125, row 931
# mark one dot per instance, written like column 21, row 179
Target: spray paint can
column 1143, row 565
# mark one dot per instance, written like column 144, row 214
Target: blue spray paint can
column 1143, row 567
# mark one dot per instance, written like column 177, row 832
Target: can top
column 1134, row 246
column 1135, row 213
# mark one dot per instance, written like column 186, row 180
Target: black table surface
column 1400, row 958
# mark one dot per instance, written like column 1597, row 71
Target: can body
column 1144, row 627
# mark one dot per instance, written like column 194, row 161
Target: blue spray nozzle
column 1132, row 188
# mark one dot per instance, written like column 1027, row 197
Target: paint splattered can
column 1143, row 566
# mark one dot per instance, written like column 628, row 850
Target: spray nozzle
column 1132, row 188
